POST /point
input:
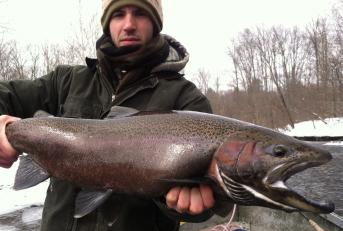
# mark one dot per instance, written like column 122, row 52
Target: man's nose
column 129, row 23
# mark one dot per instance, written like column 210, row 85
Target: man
column 136, row 67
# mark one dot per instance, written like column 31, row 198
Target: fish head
column 253, row 165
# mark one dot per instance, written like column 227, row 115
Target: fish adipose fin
column 29, row 173
column 88, row 200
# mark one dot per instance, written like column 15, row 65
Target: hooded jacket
column 83, row 92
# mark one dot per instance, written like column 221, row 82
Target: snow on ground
column 13, row 200
column 327, row 127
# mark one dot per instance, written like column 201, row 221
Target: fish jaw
column 251, row 176
column 293, row 201
column 276, row 178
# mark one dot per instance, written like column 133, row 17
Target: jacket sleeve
column 22, row 98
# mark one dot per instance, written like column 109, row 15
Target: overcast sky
column 205, row 27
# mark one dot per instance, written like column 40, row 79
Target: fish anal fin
column 29, row 173
column 88, row 200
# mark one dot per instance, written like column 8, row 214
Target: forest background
column 279, row 75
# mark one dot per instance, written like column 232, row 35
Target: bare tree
column 84, row 38
column 287, row 74
column 12, row 63
column 35, row 67
column 5, row 54
column 53, row 55
column 336, row 58
column 43, row 59
column 233, row 56
column 269, row 46
column 202, row 79
column 18, row 64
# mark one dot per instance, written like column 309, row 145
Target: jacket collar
column 177, row 59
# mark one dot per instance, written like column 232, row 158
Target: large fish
column 146, row 153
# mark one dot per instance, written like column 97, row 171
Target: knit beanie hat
column 153, row 7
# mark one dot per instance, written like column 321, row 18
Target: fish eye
column 280, row 150
column 277, row 150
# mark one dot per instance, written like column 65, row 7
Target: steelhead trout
column 147, row 153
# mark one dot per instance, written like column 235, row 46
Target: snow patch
column 32, row 215
column 335, row 143
column 12, row 200
column 326, row 127
column 7, row 228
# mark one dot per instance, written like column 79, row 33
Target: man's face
column 130, row 26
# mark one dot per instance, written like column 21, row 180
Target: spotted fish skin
column 147, row 153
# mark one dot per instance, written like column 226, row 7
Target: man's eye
column 141, row 13
column 117, row 15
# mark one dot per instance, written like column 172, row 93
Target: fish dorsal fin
column 142, row 113
column 29, row 173
column 120, row 112
column 88, row 200
column 41, row 113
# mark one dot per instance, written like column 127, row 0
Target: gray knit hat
column 153, row 7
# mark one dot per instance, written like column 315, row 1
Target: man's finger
column 196, row 205
column 6, row 164
column 8, row 158
column 7, row 153
column 172, row 197
column 207, row 196
column 183, row 200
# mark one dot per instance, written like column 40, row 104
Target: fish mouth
column 289, row 199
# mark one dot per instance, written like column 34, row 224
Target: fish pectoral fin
column 29, row 173
column 192, row 182
column 88, row 200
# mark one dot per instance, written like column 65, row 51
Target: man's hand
column 8, row 155
column 190, row 200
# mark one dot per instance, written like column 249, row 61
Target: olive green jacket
column 83, row 92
